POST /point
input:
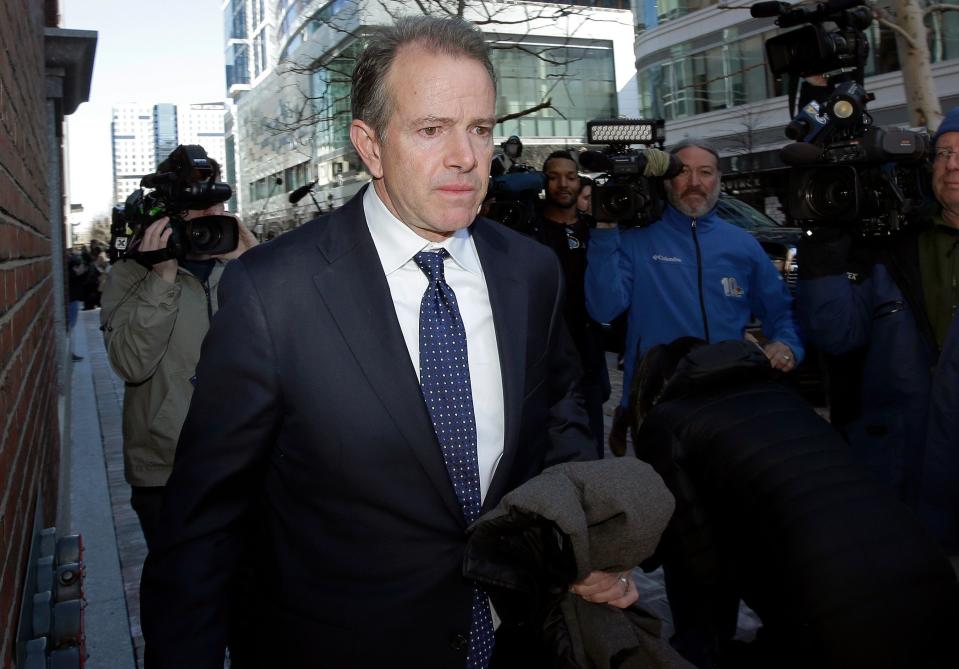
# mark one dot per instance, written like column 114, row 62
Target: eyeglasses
column 943, row 155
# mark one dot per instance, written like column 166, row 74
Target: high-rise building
column 288, row 66
column 203, row 124
column 133, row 132
column 143, row 135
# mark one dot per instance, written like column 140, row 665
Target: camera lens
column 831, row 195
column 203, row 236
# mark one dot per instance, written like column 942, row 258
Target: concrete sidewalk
column 114, row 548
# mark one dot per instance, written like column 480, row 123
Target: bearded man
column 690, row 273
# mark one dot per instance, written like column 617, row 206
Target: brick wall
column 28, row 392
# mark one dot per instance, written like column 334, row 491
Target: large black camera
column 514, row 187
column 185, row 180
column 847, row 172
column 627, row 192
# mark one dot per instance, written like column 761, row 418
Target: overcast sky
column 147, row 52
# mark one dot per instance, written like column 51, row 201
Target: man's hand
column 602, row 588
column 156, row 237
column 780, row 356
column 247, row 241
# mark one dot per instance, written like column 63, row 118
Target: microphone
column 832, row 6
column 762, row 10
column 301, row 192
column 674, row 168
column 652, row 163
column 595, row 161
column 800, row 153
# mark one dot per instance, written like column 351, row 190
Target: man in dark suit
column 372, row 382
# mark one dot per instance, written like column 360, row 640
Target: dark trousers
column 593, row 394
column 146, row 502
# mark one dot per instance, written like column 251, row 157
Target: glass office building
column 292, row 116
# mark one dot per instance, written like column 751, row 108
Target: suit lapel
column 354, row 288
column 508, row 300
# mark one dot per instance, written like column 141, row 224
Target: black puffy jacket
column 769, row 501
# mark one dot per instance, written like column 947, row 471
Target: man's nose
column 460, row 152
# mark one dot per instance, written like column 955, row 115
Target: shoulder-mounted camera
column 846, row 171
column 629, row 191
column 514, row 187
column 186, row 180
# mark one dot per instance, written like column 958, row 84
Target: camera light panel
column 625, row 131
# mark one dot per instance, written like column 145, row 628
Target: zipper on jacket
column 699, row 281
column 209, row 302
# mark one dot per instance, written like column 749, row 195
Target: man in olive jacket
column 154, row 321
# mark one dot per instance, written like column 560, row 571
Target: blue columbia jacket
column 907, row 430
column 686, row 277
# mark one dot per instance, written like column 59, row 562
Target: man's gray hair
column 699, row 144
column 371, row 99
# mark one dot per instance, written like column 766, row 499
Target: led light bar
column 626, row 131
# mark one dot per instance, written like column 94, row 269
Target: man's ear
column 368, row 146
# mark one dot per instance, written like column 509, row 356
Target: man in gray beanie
column 893, row 304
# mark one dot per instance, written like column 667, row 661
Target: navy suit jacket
column 308, row 416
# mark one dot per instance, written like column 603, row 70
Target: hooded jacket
column 681, row 277
column 555, row 529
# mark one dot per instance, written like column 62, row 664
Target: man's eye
column 431, row 131
column 481, row 130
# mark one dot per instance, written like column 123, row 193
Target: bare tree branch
column 884, row 18
column 545, row 104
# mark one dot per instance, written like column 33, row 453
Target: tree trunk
column 914, row 61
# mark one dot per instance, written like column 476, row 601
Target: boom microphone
column 762, row 10
column 301, row 192
column 650, row 163
column 674, row 168
column 800, row 153
column 595, row 161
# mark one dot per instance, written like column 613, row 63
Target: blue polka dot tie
column 445, row 381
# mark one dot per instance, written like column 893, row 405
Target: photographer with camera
column 156, row 309
column 562, row 227
column 688, row 274
column 891, row 302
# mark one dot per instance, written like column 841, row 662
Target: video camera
column 514, row 187
column 185, row 180
column 629, row 191
column 847, row 172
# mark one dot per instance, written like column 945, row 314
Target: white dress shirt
column 396, row 244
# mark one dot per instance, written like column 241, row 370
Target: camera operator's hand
column 824, row 252
column 780, row 356
column 246, row 242
column 156, row 237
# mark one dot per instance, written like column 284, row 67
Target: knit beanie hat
column 950, row 123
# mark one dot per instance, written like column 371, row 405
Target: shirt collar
column 396, row 243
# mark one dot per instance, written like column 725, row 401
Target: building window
column 237, row 65
column 330, row 89
column 579, row 81
column 234, row 20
